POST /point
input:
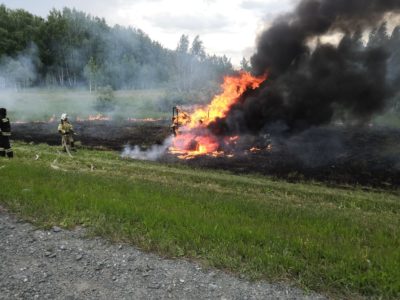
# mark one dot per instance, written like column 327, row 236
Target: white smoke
column 19, row 72
column 154, row 153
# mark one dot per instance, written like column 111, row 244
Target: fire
column 194, row 138
column 259, row 149
column 98, row 117
column 233, row 88
column 144, row 120
column 255, row 149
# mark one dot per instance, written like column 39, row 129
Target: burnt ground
column 95, row 134
column 354, row 156
column 368, row 156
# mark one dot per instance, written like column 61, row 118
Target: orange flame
column 233, row 88
column 194, row 138
column 144, row 120
column 98, row 117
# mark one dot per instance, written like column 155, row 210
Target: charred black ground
column 355, row 156
column 97, row 134
column 335, row 154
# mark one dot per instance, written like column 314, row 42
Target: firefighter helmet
column 64, row 116
column 3, row 112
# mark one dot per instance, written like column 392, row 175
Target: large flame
column 233, row 88
column 194, row 139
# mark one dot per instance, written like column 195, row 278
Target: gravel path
column 61, row 264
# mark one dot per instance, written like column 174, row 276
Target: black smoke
column 312, row 85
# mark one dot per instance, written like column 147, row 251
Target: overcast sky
column 227, row 27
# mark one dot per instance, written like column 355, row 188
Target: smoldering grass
column 153, row 153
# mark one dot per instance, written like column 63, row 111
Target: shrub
column 105, row 101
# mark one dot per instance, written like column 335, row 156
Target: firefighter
column 66, row 130
column 174, row 126
column 5, row 133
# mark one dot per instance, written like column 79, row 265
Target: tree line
column 72, row 49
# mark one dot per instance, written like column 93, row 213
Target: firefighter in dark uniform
column 5, row 134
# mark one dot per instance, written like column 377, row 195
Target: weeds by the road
column 341, row 241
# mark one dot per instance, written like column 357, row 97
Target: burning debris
column 98, row 117
column 310, row 84
column 194, row 133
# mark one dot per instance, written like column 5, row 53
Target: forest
column 72, row 49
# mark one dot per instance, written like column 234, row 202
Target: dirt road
column 61, row 264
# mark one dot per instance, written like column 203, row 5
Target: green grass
column 343, row 242
column 389, row 119
column 42, row 104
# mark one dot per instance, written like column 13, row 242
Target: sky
column 226, row 27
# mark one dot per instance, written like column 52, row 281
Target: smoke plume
column 312, row 85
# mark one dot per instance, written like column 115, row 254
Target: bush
column 105, row 101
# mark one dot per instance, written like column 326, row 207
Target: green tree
column 182, row 63
column 92, row 74
column 74, row 48
column 183, row 44
column 105, row 101
column 197, row 49
column 245, row 65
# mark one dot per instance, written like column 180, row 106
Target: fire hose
column 65, row 145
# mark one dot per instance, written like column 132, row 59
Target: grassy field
column 42, row 104
column 390, row 119
column 339, row 241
